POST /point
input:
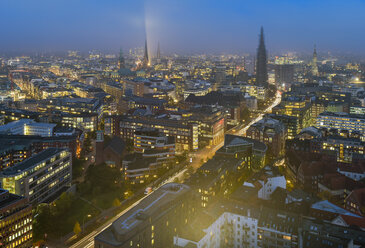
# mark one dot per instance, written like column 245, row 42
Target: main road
column 88, row 240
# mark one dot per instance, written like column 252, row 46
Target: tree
column 77, row 166
column 116, row 202
column 77, row 228
column 245, row 114
column 63, row 203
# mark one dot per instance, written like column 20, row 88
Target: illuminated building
column 14, row 152
column 342, row 121
column 297, row 107
column 345, row 148
column 241, row 225
column 216, row 176
column 87, row 122
column 151, row 223
column 153, row 104
column 153, row 150
column 186, row 135
column 271, row 132
column 200, row 88
column 355, row 201
column 291, row 124
column 153, row 143
column 353, row 89
column 114, row 89
column 17, row 114
column 28, row 127
column 18, row 147
column 253, row 90
column 72, row 106
column 261, row 63
column 15, row 221
column 39, row 177
column 112, row 125
column 211, row 122
column 232, row 103
column 357, row 110
column 134, row 87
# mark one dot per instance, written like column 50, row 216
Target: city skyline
column 223, row 27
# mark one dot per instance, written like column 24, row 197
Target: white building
column 28, row 127
column 241, row 230
column 269, row 185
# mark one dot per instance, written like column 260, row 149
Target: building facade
column 15, row 221
column 39, row 177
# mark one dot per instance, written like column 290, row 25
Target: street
column 88, row 241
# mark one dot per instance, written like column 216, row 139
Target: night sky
column 182, row 26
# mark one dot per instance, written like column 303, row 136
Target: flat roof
column 31, row 162
column 149, row 206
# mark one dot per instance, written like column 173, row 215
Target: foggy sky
column 182, row 26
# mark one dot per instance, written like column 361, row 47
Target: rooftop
column 151, row 205
column 31, row 162
column 330, row 207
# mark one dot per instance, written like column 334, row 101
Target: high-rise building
column 261, row 63
column 284, row 73
column 314, row 62
column 121, row 62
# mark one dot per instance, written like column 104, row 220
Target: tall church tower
column 314, row 62
column 146, row 61
column 261, row 62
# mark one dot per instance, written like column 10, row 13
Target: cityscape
column 178, row 133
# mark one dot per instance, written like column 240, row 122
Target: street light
column 83, row 221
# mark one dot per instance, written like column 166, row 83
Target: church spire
column 145, row 57
column 261, row 63
column 314, row 62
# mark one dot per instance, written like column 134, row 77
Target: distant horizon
column 182, row 27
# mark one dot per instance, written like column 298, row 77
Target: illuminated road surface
column 88, row 241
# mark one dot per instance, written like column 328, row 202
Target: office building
column 291, row 124
column 28, row 127
column 186, row 135
column 295, row 106
column 87, row 122
column 15, row 221
column 342, row 121
column 40, row 177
